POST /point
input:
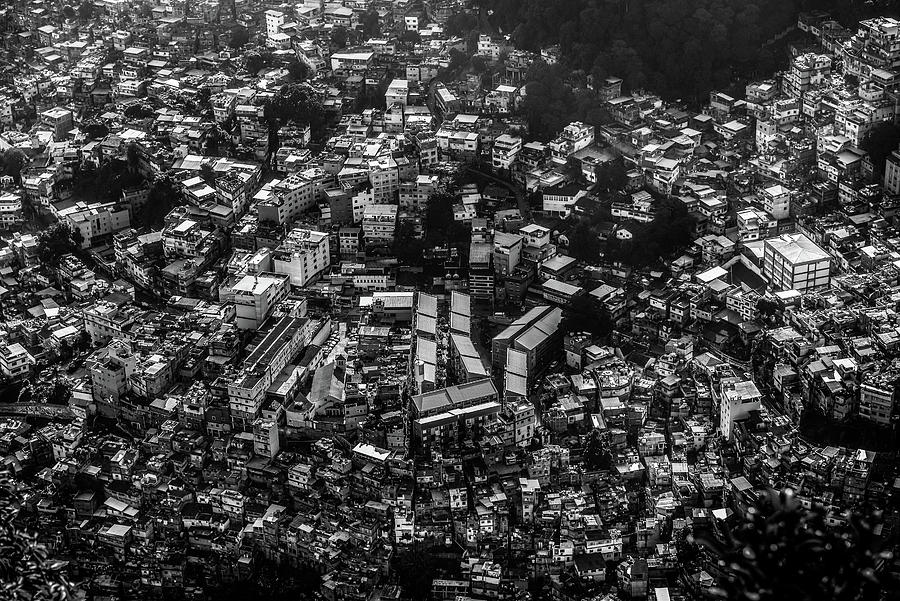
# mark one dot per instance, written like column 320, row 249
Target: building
column 437, row 415
column 507, row 252
column 536, row 335
column 738, row 399
column 254, row 296
column 15, row 361
column 794, row 262
column 505, row 151
column 378, row 224
column 776, row 201
column 559, row 200
column 303, row 255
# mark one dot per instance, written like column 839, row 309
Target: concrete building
column 15, row 361
column 738, row 399
column 378, row 224
column 776, row 201
column 794, row 262
column 303, row 256
column 254, row 296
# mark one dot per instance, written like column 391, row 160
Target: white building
column 379, row 222
column 794, row 262
column 303, row 256
column 506, row 150
column 738, row 400
column 254, row 296
column 274, row 20
column 777, row 201
column 15, row 361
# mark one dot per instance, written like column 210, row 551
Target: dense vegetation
column 676, row 49
column 780, row 550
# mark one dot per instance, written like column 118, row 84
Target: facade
column 255, row 296
column 794, row 262
column 303, row 256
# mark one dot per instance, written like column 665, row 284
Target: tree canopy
column 27, row 571
column 57, row 240
column 298, row 70
column 339, row 36
column 779, row 550
column 239, row 36
column 12, row 161
column 677, row 49
column 880, row 142
column 670, row 231
column 300, row 103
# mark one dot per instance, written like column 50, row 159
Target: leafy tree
column 163, row 197
column 880, row 142
column 138, row 110
column 254, row 61
column 68, row 12
column 133, row 156
column 57, row 240
column 440, row 227
column 611, row 175
column 407, row 247
column 339, row 36
column 584, row 243
column 582, row 315
column 298, row 70
column 208, row 174
column 239, row 37
column 26, row 569
column 300, row 103
column 86, row 10
column 96, row 130
column 370, row 24
column 697, row 46
column 12, row 161
column 780, row 550
column 596, row 453
column 410, row 37
column 461, row 23
column 670, row 231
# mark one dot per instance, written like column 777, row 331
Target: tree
column 239, row 37
column 371, row 26
column 300, row 103
column 12, row 161
column 162, row 198
column 880, row 142
column 611, row 175
column 584, row 243
column 339, row 36
column 96, row 130
column 86, row 10
column 408, row 248
column 26, row 570
column 780, row 550
column 298, row 70
column 69, row 12
column 410, row 37
column 583, row 315
column 56, row 241
column 440, row 227
column 138, row 110
column 461, row 23
column 596, row 453
column 208, row 174
column 254, row 61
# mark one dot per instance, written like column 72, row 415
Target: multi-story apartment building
column 794, row 262
column 303, row 256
